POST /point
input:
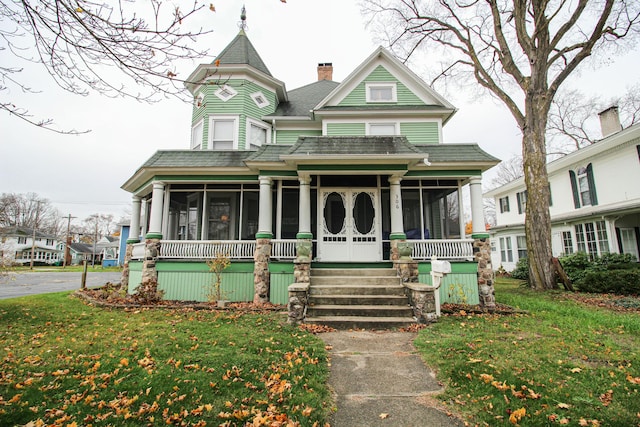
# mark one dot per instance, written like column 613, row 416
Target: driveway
column 27, row 283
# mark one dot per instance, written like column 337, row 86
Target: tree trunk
column 538, row 220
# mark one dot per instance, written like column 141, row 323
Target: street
column 23, row 283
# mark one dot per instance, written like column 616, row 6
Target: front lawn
column 562, row 362
column 69, row 364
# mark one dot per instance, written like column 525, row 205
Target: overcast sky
column 82, row 174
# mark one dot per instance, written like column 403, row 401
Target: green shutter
column 592, row 186
column 574, row 189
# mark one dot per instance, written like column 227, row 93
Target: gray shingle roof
column 445, row 153
column 269, row 153
column 241, row 51
column 303, row 99
column 345, row 145
column 197, row 158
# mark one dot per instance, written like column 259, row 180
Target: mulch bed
column 618, row 303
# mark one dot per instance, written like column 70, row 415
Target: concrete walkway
column 379, row 380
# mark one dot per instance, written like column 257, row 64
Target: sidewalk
column 379, row 380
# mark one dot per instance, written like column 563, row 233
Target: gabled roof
column 24, row 232
column 81, row 248
column 241, row 51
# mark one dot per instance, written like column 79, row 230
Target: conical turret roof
column 241, row 51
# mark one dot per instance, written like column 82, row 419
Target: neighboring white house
column 595, row 200
column 16, row 245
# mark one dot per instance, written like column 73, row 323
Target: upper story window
column 49, row 242
column 382, row 129
column 257, row 134
column 260, row 100
column 22, row 240
column 223, row 133
column 504, row 204
column 583, row 186
column 522, row 201
column 225, row 92
column 381, row 92
column 196, row 136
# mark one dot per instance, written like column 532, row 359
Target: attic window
column 260, row 100
column 381, row 92
column 226, row 92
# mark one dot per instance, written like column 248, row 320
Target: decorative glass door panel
column 350, row 228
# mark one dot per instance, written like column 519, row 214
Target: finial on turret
column 243, row 19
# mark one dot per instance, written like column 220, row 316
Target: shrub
column 521, row 272
column 576, row 265
column 622, row 282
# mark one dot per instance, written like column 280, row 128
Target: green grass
column 66, row 363
column 68, row 268
column 562, row 362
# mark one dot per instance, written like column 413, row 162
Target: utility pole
column 33, row 237
column 95, row 239
column 67, row 242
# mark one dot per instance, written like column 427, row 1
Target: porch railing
column 283, row 249
column 138, row 251
column 206, row 249
column 442, row 248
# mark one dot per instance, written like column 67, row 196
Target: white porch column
column 134, row 225
column 264, row 215
column 157, row 206
column 477, row 211
column 145, row 217
column 304, row 219
column 397, row 225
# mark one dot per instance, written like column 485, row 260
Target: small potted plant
column 217, row 265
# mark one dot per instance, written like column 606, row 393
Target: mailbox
column 438, row 266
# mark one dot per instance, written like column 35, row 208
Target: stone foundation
column 298, row 302
column 148, row 289
column 124, row 279
column 423, row 302
column 261, row 278
column 486, row 291
column 407, row 269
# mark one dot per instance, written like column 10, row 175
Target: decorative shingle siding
column 345, row 129
column 358, row 97
column 420, row 132
column 291, row 136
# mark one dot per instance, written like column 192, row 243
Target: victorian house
column 331, row 178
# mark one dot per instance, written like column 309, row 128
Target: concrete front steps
column 358, row 298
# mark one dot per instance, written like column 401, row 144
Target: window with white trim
column 381, row 92
column 260, row 99
column 257, row 134
column 225, row 93
column 22, row 240
column 223, row 134
column 567, row 243
column 506, row 254
column 196, row 136
column 592, row 238
column 381, row 129
column 522, row 201
column 504, row 204
column 521, row 241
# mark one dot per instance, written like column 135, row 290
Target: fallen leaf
column 576, row 370
column 384, row 415
column 517, row 415
column 563, row 406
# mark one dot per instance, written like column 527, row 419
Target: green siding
column 194, row 286
column 135, row 275
column 420, row 132
column 456, row 287
column 291, row 136
column 345, row 129
column 357, row 97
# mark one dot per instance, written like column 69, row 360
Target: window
column 583, row 187
column 382, row 129
column 506, row 255
column 504, row 204
column 603, row 241
column 260, row 100
column 592, row 238
column 223, row 133
column 225, row 93
column 49, row 242
column 22, row 240
column 522, row 201
column 567, row 243
column 196, row 136
column 521, row 241
column 257, row 134
column 381, row 92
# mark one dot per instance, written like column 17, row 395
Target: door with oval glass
column 350, row 228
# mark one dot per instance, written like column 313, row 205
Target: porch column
column 157, row 206
column 145, row 219
column 304, row 220
column 261, row 277
column 304, row 245
column 477, row 211
column 134, row 237
column 134, row 227
column 264, row 215
column 397, row 226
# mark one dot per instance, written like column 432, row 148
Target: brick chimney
column 610, row 121
column 325, row 71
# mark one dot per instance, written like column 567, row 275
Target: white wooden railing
column 138, row 251
column 206, row 249
column 442, row 248
column 283, row 249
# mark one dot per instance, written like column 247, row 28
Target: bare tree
column 520, row 51
column 97, row 226
column 81, row 43
column 31, row 211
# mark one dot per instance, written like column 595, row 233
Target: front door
column 350, row 229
